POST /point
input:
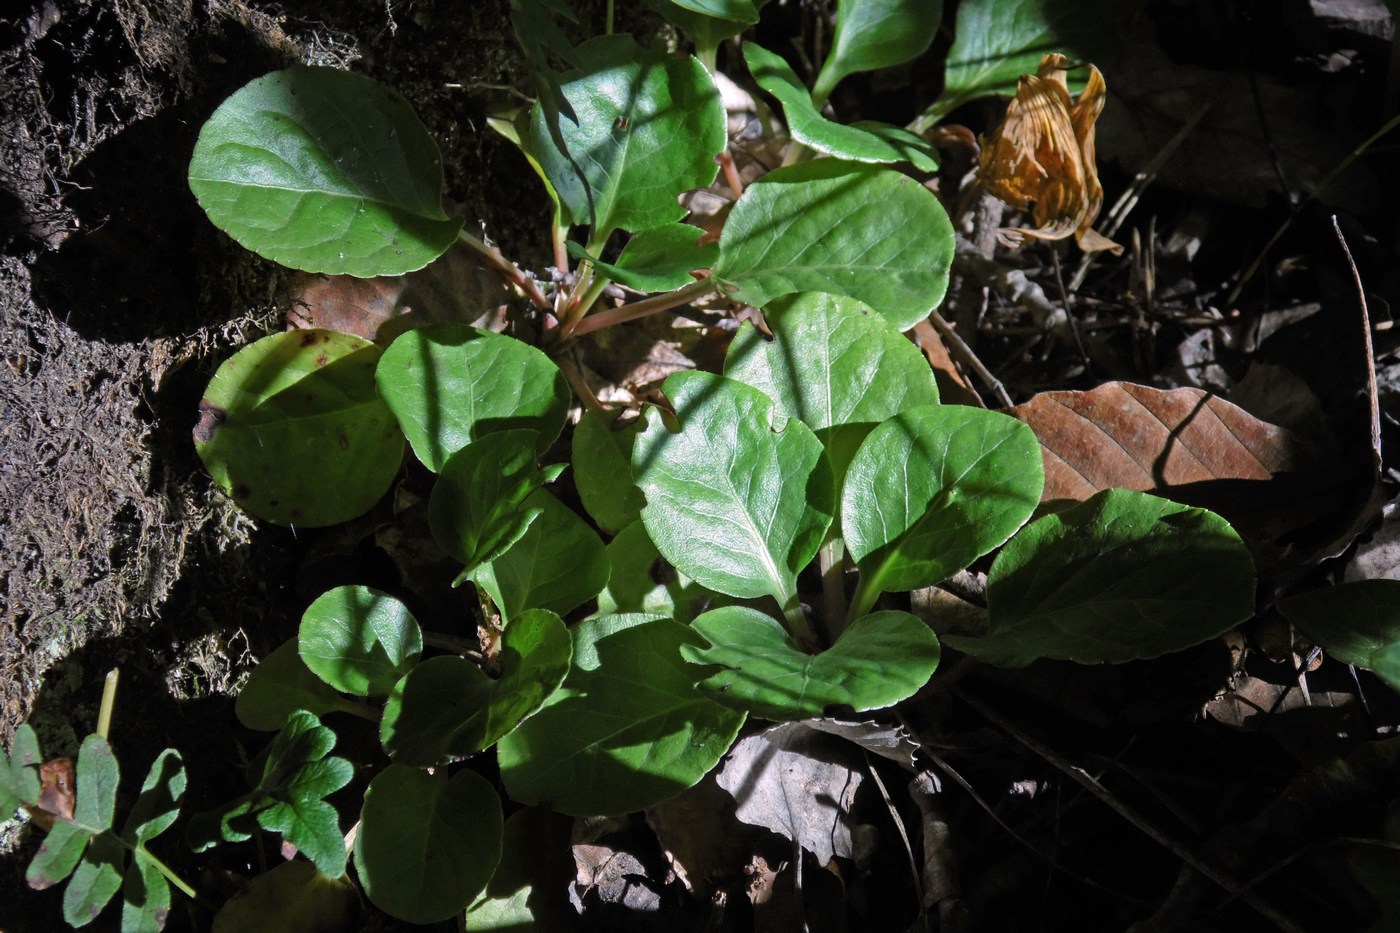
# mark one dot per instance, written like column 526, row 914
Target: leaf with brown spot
column 56, row 797
column 1184, row 444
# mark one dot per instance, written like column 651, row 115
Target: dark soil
column 118, row 299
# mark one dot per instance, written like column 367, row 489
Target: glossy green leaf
column 739, row 11
column 809, row 127
column 997, row 41
column 359, row 640
column 280, row 684
column 558, row 564
column 530, row 887
column 602, row 461
column 1357, row 623
column 626, row 730
column 659, row 259
column 477, row 510
column 646, row 127
column 326, row 171
column 446, row 708
column 427, row 844
column 19, row 771
column 96, row 880
column 1121, row 576
column 841, row 227
column 873, row 34
column 644, row 581
column 877, row 661
column 933, row 489
column 834, row 364
column 450, row 384
column 706, row 30
column 740, row 499
column 292, row 428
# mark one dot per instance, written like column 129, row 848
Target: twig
column 1129, row 198
column 963, row 352
column 1322, row 186
column 1371, row 395
column 1082, row 778
column 904, row 836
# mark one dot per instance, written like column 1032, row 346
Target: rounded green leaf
column 1119, row 577
column 446, row 708
column 809, row 127
column 19, row 770
column 933, row 489
column 530, row 889
column 627, row 729
column 291, row 426
column 450, row 384
column 602, row 461
column 835, row 365
column 740, row 499
column 657, row 260
column 841, row 227
column 739, row 11
column 280, row 685
column 326, row 171
column 558, row 564
column 1357, row 623
column 873, row 34
column 644, row 581
column 477, row 507
column 645, row 128
column 162, row 794
column 359, row 640
column 877, row 661
column 427, row 845
column 997, row 41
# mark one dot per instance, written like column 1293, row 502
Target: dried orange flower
column 1041, row 158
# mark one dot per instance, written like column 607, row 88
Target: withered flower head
column 1041, row 158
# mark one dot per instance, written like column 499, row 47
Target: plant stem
column 639, row 309
column 456, row 644
column 863, row 599
column 510, row 271
column 169, row 874
column 590, row 296
column 831, row 561
column 360, row 711
column 799, row 625
column 109, row 701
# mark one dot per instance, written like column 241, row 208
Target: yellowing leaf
column 1041, row 157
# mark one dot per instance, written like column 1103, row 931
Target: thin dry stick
column 1030, row 847
column 1082, row 778
column 1370, row 348
column 904, row 835
column 1129, row 198
column 959, row 348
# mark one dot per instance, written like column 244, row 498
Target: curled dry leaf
column 1041, row 157
column 1184, row 444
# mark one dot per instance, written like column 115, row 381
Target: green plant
column 793, row 495
column 77, row 806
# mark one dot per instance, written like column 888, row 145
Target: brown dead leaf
column 1041, row 157
column 1184, row 444
column 454, row 288
column 56, row 793
column 798, row 783
column 703, row 839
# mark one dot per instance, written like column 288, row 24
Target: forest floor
column 118, row 299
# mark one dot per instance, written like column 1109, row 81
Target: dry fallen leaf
column 798, row 783
column 56, row 793
column 1187, row 445
column 1041, row 157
